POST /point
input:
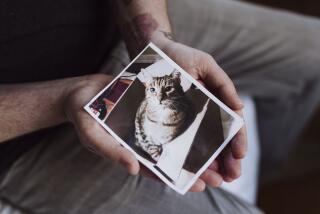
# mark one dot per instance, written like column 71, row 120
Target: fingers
column 148, row 173
column 100, row 80
column 228, row 163
column 232, row 155
column 94, row 136
column 214, row 166
column 239, row 144
column 231, row 166
column 212, row 178
column 209, row 177
column 216, row 79
column 198, row 186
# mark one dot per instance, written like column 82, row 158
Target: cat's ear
column 147, row 77
column 175, row 74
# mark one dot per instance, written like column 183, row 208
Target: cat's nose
column 160, row 98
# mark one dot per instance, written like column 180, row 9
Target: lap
column 60, row 176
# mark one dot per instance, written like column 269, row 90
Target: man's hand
column 91, row 134
column 142, row 21
column 204, row 69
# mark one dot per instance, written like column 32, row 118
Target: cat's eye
column 169, row 88
column 152, row 90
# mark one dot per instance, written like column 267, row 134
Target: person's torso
column 43, row 39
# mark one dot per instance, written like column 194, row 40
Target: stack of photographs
column 172, row 124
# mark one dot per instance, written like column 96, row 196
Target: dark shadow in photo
column 121, row 119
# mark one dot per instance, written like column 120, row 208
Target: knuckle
column 219, row 183
column 236, row 174
column 241, row 154
column 209, row 58
column 119, row 156
column 216, row 182
column 87, row 135
column 95, row 126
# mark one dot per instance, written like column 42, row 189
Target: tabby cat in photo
column 164, row 114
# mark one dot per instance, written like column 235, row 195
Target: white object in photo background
column 175, row 153
column 128, row 76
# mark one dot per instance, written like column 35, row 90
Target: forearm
column 25, row 108
column 142, row 21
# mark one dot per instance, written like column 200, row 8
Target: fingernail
column 124, row 163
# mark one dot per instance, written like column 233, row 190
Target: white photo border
column 238, row 121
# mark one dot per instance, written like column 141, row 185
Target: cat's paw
column 155, row 151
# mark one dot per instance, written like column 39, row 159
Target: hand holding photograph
column 172, row 123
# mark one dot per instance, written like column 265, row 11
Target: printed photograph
column 165, row 117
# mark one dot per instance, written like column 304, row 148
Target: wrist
column 80, row 91
column 162, row 39
column 72, row 85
